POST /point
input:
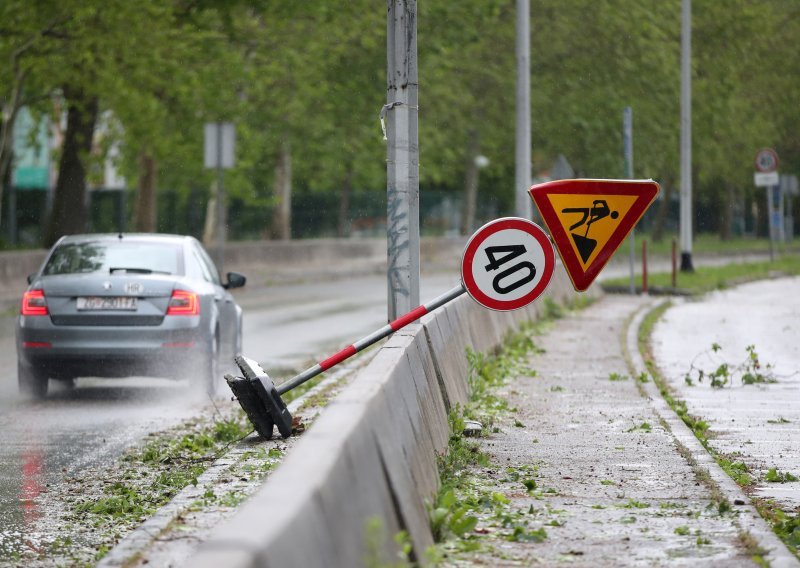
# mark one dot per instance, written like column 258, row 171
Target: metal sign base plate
column 252, row 405
column 260, row 399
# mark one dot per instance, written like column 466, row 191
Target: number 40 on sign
column 507, row 263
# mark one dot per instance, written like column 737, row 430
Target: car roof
column 109, row 237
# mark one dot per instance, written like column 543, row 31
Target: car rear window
column 98, row 256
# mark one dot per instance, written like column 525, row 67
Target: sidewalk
column 613, row 486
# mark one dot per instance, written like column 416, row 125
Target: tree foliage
column 309, row 78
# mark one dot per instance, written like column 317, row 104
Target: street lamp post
column 522, row 203
column 686, row 137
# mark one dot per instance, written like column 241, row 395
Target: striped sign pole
column 261, row 399
column 370, row 339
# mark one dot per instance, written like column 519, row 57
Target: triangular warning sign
column 589, row 218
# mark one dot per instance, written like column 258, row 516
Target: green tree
column 467, row 76
column 27, row 39
column 732, row 118
column 304, row 83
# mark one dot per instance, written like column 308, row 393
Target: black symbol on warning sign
column 599, row 210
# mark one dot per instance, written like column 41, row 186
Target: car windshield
column 117, row 257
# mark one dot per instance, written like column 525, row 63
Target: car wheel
column 32, row 383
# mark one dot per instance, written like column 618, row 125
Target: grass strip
column 707, row 243
column 110, row 505
column 708, row 278
column 466, row 497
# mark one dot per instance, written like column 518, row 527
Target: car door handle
column 217, row 297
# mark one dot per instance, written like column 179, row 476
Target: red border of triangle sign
column 589, row 218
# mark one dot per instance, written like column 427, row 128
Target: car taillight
column 36, row 344
column 34, row 303
column 183, row 303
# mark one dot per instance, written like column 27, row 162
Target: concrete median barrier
column 367, row 467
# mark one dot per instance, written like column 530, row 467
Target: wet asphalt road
column 42, row 443
column 285, row 328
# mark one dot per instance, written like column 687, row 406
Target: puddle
column 22, row 483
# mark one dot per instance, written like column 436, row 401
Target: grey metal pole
column 686, row 137
column 522, row 202
column 627, row 141
column 122, row 200
column 770, row 224
column 781, row 234
column 220, row 212
column 402, row 157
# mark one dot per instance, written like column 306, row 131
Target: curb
column 750, row 521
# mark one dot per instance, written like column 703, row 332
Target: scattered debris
column 298, row 426
column 472, row 429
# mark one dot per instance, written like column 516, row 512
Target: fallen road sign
column 589, row 218
column 510, row 259
column 261, row 399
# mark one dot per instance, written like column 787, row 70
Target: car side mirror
column 31, row 276
column 235, row 280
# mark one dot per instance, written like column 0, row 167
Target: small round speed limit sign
column 507, row 263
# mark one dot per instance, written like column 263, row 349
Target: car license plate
column 107, row 303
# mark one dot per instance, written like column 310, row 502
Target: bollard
column 644, row 266
column 261, row 399
column 674, row 263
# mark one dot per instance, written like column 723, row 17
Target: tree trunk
column 5, row 182
column 663, row 209
column 6, row 150
column 342, row 224
column 470, row 183
column 146, row 198
column 10, row 110
column 282, row 213
column 69, row 213
column 209, row 225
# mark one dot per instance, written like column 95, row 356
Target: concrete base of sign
column 367, row 468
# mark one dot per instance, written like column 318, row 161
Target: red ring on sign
column 773, row 155
column 487, row 231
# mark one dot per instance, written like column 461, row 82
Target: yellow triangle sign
column 590, row 227
column 589, row 219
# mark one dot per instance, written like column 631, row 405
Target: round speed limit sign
column 507, row 263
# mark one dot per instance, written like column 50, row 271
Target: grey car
column 126, row 305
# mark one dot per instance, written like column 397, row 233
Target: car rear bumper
column 174, row 349
column 172, row 364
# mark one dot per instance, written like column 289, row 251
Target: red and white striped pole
column 374, row 337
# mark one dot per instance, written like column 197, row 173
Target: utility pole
column 686, row 136
column 522, row 202
column 402, row 157
column 627, row 143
